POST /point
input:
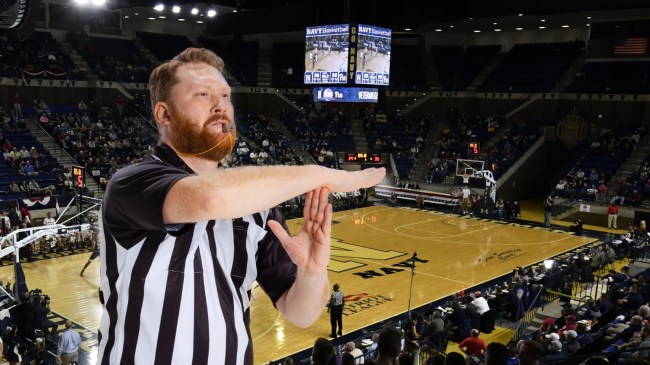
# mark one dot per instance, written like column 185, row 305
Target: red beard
column 191, row 140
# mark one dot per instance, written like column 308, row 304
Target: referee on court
column 335, row 306
column 184, row 239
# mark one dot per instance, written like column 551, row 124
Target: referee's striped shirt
column 180, row 294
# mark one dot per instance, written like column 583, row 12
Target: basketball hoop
column 466, row 178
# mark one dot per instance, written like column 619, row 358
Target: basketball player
column 183, row 239
column 93, row 256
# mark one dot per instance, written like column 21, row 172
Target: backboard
column 468, row 167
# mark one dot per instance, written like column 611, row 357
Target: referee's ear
column 161, row 113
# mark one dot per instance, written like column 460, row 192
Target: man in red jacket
column 612, row 215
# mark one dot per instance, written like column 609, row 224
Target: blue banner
column 346, row 94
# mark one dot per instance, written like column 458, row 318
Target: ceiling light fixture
column 162, row 17
column 477, row 31
column 152, row 18
column 565, row 26
column 542, row 27
column 159, row 7
column 194, row 11
column 199, row 21
column 519, row 28
column 176, row 9
column 438, row 30
column 212, row 13
column 542, row 20
column 520, row 14
column 181, row 19
column 497, row 30
column 407, row 29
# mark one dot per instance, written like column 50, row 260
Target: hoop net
column 466, row 178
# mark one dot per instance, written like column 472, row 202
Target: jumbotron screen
column 373, row 55
column 326, row 54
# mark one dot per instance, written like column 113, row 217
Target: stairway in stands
column 62, row 156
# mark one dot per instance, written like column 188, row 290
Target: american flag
column 632, row 46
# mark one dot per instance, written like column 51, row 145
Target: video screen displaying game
column 326, row 54
column 373, row 55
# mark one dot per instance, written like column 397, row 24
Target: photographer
column 41, row 308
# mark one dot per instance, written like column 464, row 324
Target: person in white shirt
column 481, row 304
column 49, row 221
column 354, row 351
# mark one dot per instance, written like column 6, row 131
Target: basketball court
column 370, row 249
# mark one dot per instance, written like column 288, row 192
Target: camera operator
column 41, row 308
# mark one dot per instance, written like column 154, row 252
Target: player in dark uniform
column 93, row 256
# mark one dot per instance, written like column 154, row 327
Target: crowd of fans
column 40, row 56
column 454, row 141
column 322, row 133
column 402, row 136
column 268, row 146
column 612, row 328
column 102, row 145
column 588, row 180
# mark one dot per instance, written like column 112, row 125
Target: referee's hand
column 346, row 181
column 310, row 248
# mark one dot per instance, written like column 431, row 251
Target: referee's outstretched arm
column 237, row 192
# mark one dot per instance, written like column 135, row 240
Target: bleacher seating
column 516, row 141
column 102, row 146
column 164, row 46
column 403, row 136
column 532, row 67
column 604, row 158
column 322, row 134
column 267, row 145
column 288, row 56
column 113, row 59
column 406, row 70
column 613, row 77
column 241, row 58
column 458, row 68
column 40, row 56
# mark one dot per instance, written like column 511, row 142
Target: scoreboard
column 351, row 54
column 363, row 157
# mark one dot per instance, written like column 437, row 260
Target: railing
column 525, row 321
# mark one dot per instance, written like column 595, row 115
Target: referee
column 335, row 306
column 183, row 239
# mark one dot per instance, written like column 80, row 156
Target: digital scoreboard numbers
column 78, row 177
column 362, row 157
column 473, row 149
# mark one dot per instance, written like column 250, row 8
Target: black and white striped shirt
column 180, row 294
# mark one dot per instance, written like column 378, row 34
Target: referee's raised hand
column 310, row 248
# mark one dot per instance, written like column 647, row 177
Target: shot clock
column 473, row 149
column 78, row 177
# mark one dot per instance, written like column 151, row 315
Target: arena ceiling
column 264, row 16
